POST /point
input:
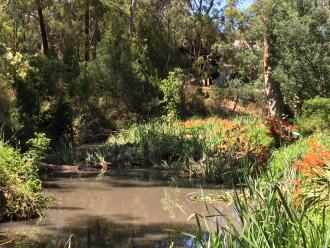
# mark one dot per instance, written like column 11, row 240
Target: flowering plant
column 312, row 186
column 281, row 129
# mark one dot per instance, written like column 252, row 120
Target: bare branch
column 210, row 7
column 200, row 6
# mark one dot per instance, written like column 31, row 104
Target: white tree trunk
column 132, row 16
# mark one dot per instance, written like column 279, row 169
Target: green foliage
column 203, row 148
column 266, row 219
column 91, row 125
column 41, row 88
column 39, row 147
column 282, row 159
column 124, row 75
column 299, row 49
column 288, row 206
column 20, row 187
column 63, row 153
column 52, row 93
column 6, row 97
column 172, row 89
column 243, row 93
column 315, row 116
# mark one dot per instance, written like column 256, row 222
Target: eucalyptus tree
column 204, row 14
column 87, row 27
column 296, row 51
column 272, row 86
column 132, row 15
column 42, row 25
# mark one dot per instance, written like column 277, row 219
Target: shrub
column 91, row 125
column 282, row 159
column 63, row 153
column 266, row 219
column 315, row 115
column 38, row 147
column 212, row 148
column 20, row 187
column 312, row 176
column 172, row 91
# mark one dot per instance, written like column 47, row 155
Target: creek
column 121, row 208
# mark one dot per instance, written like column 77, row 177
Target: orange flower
column 297, row 193
column 194, row 123
column 313, row 161
column 227, row 124
column 313, row 144
column 296, row 183
column 297, row 203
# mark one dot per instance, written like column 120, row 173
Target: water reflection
column 139, row 208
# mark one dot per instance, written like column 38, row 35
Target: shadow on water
column 135, row 177
column 98, row 232
column 139, row 208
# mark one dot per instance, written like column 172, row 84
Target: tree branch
column 210, row 7
column 118, row 8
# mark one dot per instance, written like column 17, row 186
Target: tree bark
column 132, row 17
column 236, row 102
column 198, row 43
column 87, row 45
column 95, row 38
column 42, row 29
column 272, row 87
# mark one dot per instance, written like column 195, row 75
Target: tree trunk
column 15, row 37
column 87, row 30
column 198, row 43
column 132, row 16
column 42, row 29
column 272, row 87
column 15, row 29
column 236, row 102
column 95, row 38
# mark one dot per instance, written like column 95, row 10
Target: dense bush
column 213, row 148
column 172, row 89
column 303, row 171
column 20, row 187
column 311, row 178
column 315, row 115
column 91, row 125
column 283, row 158
column 288, row 206
column 243, row 93
column 266, row 219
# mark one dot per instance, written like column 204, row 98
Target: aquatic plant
column 211, row 148
column 266, row 219
column 63, row 153
column 288, row 206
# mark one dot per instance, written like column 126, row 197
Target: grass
column 287, row 206
column 282, row 159
column 64, row 153
column 274, row 222
column 286, row 192
column 212, row 148
column 267, row 220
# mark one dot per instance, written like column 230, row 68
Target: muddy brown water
column 135, row 208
